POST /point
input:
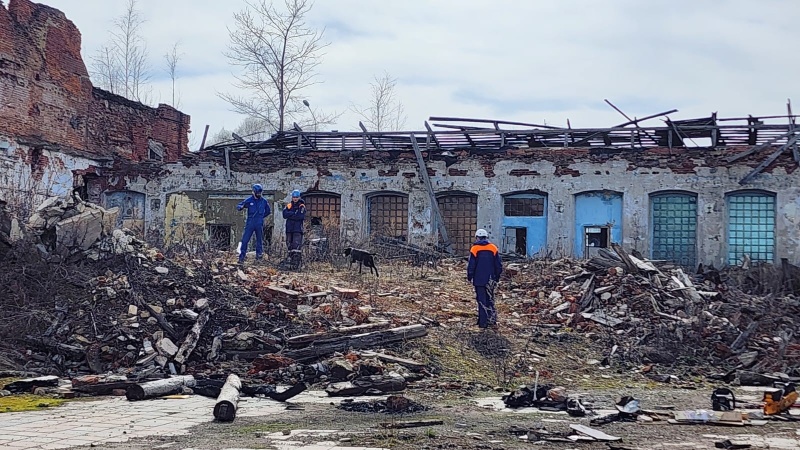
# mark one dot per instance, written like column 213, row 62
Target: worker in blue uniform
column 257, row 209
column 483, row 271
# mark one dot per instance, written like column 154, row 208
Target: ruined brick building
column 705, row 190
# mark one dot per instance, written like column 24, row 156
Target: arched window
column 323, row 209
column 751, row 226
column 460, row 214
column 388, row 215
column 673, row 218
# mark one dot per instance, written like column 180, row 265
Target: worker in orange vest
column 483, row 271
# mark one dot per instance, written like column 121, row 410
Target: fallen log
column 159, row 388
column 411, row 424
column 213, row 388
column 228, row 399
column 190, row 342
column 379, row 384
column 375, row 339
column 304, row 340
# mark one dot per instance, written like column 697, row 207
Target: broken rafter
column 771, row 159
column 369, row 136
column 432, row 135
column 495, row 123
column 795, row 152
column 758, row 148
column 623, row 125
column 302, row 134
column 634, row 121
column 437, row 213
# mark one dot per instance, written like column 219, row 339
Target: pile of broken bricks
column 652, row 312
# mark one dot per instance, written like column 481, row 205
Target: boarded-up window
column 751, row 227
column 460, row 214
column 388, row 216
column 323, row 209
column 523, row 206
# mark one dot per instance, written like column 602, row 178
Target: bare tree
column 172, row 58
column 384, row 111
column 121, row 65
column 251, row 129
column 279, row 54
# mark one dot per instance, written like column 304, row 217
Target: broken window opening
column 388, row 216
column 523, row 206
column 219, row 236
column 155, row 150
column 595, row 238
column 515, row 240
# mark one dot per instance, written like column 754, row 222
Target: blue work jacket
column 257, row 210
column 295, row 214
column 484, row 263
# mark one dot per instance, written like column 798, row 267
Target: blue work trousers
column 487, row 315
column 249, row 229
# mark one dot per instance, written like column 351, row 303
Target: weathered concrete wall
column 560, row 180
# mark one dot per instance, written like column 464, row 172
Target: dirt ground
column 470, row 426
column 470, row 370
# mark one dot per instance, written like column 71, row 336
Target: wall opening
column 751, row 227
column 460, row 214
column 525, row 223
column 131, row 206
column 673, row 219
column 388, row 216
column 220, row 236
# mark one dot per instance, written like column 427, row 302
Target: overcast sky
column 534, row 61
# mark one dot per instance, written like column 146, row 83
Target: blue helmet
column 295, row 193
column 257, row 188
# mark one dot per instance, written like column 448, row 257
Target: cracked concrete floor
column 113, row 420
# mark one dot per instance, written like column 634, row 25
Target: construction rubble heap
column 98, row 306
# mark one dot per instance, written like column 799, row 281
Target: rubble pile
column 131, row 312
column 394, row 404
column 652, row 312
column 69, row 226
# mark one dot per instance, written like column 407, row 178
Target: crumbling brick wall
column 47, row 96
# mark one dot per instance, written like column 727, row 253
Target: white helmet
column 481, row 233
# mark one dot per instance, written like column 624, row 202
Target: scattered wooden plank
column 228, row 399
column 190, row 342
column 282, row 292
column 159, row 388
column 28, row 385
column 596, row 434
column 375, row 339
column 345, row 293
column 304, row 340
column 377, row 383
column 408, row 363
column 411, row 424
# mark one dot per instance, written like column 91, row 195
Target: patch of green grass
column 271, row 427
column 27, row 402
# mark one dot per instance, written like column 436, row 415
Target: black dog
column 363, row 257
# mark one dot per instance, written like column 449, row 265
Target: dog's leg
column 360, row 265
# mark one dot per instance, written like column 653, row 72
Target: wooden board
column 591, row 432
